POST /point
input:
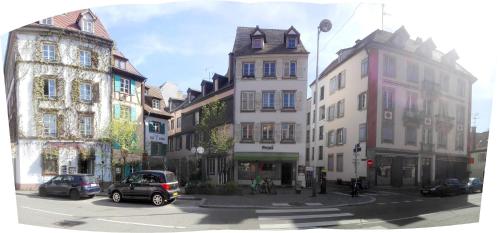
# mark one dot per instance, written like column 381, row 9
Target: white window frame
column 248, row 69
column 257, row 43
column 155, row 103
column 49, row 52
column 85, row 58
column 88, row 25
column 362, row 132
column 50, row 125
column 247, row 101
column 389, row 66
column 294, row 44
column 156, row 126
column 288, row 100
column 211, row 166
column 85, row 92
column 293, row 71
column 51, row 87
column 287, row 132
column 388, row 98
column 362, row 101
column 268, row 98
column 364, row 67
column 247, row 131
column 47, row 21
column 86, row 126
column 125, row 85
column 340, row 136
column 269, row 69
column 267, row 132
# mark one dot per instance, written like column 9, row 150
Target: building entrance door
column 397, row 172
column 426, row 171
column 286, row 174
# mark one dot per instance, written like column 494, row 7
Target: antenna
column 383, row 14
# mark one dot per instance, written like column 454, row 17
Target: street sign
column 369, row 163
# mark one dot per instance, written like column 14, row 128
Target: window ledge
column 268, row 110
column 290, row 77
column 269, row 78
column 288, row 110
column 248, row 77
column 287, row 142
column 247, row 110
column 247, row 141
column 267, row 141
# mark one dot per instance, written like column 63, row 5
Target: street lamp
column 324, row 26
column 197, row 151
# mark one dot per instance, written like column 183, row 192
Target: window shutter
column 286, row 69
column 278, row 100
column 95, row 92
column 334, row 137
column 162, row 128
column 132, row 87
column 343, row 79
column 257, row 131
column 117, row 83
column 344, row 135
column 133, row 116
column 298, row 100
column 334, row 111
column 257, row 100
column 298, row 133
column 237, row 132
column 117, row 111
column 150, row 126
column 335, row 85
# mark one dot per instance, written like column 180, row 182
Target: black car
column 74, row 186
column 448, row 187
column 474, row 185
column 155, row 185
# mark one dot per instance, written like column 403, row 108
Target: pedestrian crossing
column 303, row 218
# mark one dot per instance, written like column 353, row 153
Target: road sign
column 369, row 163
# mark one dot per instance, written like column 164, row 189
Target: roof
column 129, row 68
column 69, row 21
column 385, row 38
column 155, row 93
column 274, row 42
column 482, row 140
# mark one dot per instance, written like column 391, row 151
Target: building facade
column 57, row 75
column 269, row 69
column 403, row 101
column 478, row 151
column 156, row 129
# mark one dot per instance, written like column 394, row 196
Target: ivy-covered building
column 127, row 100
column 57, row 78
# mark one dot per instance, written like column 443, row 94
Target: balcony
column 426, row 147
column 412, row 117
column 444, row 122
column 431, row 89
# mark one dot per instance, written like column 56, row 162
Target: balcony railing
column 444, row 122
column 412, row 116
column 431, row 88
column 427, row 147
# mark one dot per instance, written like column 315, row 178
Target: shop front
column 396, row 170
column 280, row 167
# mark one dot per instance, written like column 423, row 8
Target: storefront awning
column 266, row 156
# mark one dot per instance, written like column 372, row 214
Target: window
column 340, row 108
column 85, row 92
column 362, row 132
column 427, row 136
column 460, row 114
column 307, row 154
column 125, row 85
column 320, row 136
column 119, row 63
column 247, row 101
column 269, row 69
column 287, row 132
column 314, row 116
column 322, row 112
column 314, row 98
column 47, row 21
column 267, row 132
column 257, row 43
column 86, row 126
column 341, row 136
column 248, row 70
column 293, row 68
column 268, row 99
column 50, row 166
column 429, row 74
column 364, row 67
column 442, row 140
column 388, row 98
column 85, row 58
column 411, row 102
column 172, row 124
column 289, row 99
column 389, row 66
column 178, row 122
column 211, row 166
column 459, row 143
column 247, row 131
column 50, row 125
column 387, row 132
column 330, row 162
column 445, row 82
column 313, row 134
column 292, row 42
column 340, row 162
column 49, row 52
column 428, row 106
column 362, row 101
column 333, row 85
column 331, row 112
column 124, row 112
column 189, row 141
column 443, row 108
column 156, row 103
column 308, row 136
column 308, row 121
column 332, row 137
column 49, row 88
column 411, row 135
column 320, row 153
column 312, row 155
column 155, row 127
column 88, row 25
column 341, row 80
column 460, row 87
column 322, row 93
column 412, row 72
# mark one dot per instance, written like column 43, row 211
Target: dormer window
column 291, row 42
column 258, row 43
column 119, row 63
column 87, row 22
column 156, row 104
column 47, row 21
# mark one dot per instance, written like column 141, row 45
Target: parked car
column 158, row 186
column 449, row 186
column 474, row 185
column 74, row 186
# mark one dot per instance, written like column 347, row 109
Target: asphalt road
column 391, row 210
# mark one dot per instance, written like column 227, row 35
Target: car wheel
column 74, row 194
column 157, row 199
column 91, row 196
column 42, row 192
column 116, row 196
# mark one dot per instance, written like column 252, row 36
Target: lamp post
column 197, row 151
column 324, row 26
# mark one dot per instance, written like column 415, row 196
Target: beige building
column 269, row 69
column 407, row 105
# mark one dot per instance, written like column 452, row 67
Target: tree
column 213, row 136
column 123, row 135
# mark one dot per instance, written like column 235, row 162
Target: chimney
column 357, row 41
column 216, row 84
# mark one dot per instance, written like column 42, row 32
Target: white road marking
column 380, row 203
column 342, row 194
column 275, row 211
column 407, row 201
column 46, row 211
column 140, row 224
column 281, row 204
column 289, row 217
column 313, row 204
column 297, row 225
column 395, row 202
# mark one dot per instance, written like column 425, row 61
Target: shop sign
column 267, row 147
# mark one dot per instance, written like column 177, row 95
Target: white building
column 58, row 79
column 407, row 104
column 269, row 69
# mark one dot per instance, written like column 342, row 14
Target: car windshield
column 89, row 179
column 171, row 177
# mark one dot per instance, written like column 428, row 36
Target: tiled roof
column 128, row 66
column 155, row 93
column 274, row 42
column 70, row 21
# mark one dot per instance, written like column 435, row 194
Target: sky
column 186, row 42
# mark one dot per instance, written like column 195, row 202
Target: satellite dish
column 325, row 25
column 193, row 149
column 200, row 150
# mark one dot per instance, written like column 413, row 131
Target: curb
column 203, row 205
